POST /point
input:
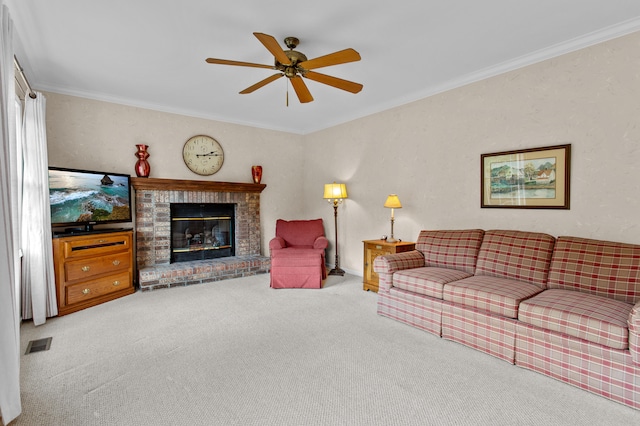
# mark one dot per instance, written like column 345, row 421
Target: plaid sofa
column 568, row 307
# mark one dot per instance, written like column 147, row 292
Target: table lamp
column 393, row 202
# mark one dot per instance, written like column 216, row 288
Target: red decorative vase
column 142, row 165
column 256, row 172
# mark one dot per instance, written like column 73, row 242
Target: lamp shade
column 393, row 202
column 335, row 190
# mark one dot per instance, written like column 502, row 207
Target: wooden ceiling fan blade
column 336, row 82
column 238, row 63
column 261, row 83
column 335, row 58
column 301, row 89
column 273, row 46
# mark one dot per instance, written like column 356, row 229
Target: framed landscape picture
column 536, row 178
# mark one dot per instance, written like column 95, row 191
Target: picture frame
column 535, row 178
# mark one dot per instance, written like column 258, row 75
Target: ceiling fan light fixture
column 290, row 72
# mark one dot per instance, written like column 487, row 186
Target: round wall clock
column 203, row 155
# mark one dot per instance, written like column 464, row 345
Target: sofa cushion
column 427, row 281
column 516, row 255
column 586, row 316
column 499, row 296
column 454, row 249
column 603, row 268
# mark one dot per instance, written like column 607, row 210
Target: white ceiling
column 151, row 53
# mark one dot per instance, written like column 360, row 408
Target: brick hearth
column 153, row 238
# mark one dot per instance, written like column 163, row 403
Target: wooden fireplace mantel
column 156, row 184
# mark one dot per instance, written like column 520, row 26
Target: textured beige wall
column 428, row 152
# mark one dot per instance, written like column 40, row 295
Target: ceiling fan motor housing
column 295, row 57
column 291, row 70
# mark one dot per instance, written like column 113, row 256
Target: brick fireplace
column 153, row 231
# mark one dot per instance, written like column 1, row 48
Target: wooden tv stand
column 92, row 268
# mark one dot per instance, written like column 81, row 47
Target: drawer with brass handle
column 88, row 290
column 83, row 269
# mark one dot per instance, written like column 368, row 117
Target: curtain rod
column 30, row 91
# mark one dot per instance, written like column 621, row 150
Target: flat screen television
column 81, row 199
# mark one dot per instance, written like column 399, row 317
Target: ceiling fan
column 294, row 65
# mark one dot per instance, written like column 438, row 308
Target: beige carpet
column 239, row 353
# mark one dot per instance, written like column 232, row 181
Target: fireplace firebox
column 201, row 231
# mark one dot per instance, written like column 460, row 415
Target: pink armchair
column 298, row 254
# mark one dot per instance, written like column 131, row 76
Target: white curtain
column 10, row 405
column 38, row 280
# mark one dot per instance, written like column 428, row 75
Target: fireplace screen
column 201, row 231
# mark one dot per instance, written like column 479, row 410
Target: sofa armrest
column 277, row 243
column 386, row 265
column 321, row 243
column 634, row 333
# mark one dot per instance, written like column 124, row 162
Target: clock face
column 203, row 155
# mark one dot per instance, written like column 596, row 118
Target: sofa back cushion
column 516, row 255
column 604, row 268
column 299, row 232
column 456, row 249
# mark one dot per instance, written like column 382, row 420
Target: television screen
column 86, row 198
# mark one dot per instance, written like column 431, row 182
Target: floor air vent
column 38, row 345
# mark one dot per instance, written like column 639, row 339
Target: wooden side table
column 375, row 248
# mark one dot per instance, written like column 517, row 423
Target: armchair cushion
column 301, row 233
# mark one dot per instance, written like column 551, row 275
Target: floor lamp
column 334, row 193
